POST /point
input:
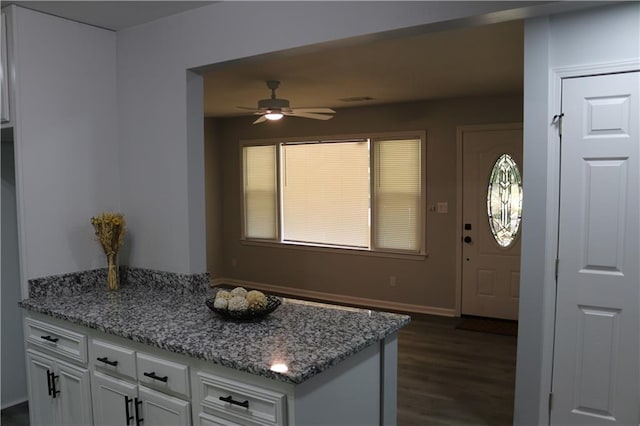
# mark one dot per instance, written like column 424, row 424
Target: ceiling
column 474, row 61
column 112, row 15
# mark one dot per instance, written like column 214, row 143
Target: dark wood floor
column 455, row 377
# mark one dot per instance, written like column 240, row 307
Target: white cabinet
column 228, row 401
column 81, row 376
column 163, row 410
column 113, row 400
column 6, row 114
column 122, row 393
column 59, row 392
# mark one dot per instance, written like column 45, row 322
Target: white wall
column 594, row 36
column 13, row 376
column 161, row 153
column 66, row 140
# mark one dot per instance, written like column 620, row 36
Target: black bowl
column 272, row 304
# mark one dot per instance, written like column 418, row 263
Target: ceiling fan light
column 273, row 116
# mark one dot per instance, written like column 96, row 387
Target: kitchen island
column 305, row 363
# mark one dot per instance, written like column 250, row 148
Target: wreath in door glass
column 504, row 200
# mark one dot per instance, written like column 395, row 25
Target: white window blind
column 326, row 193
column 260, row 195
column 397, row 194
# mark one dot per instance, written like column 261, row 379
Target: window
column 362, row 193
column 504, row 200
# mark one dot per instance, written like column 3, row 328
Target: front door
column 596, row 376
column 491, row 212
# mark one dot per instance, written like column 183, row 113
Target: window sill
column 335, row 250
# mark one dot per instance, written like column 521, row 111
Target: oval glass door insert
column 504, row 200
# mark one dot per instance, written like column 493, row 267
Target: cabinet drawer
column 58, row 340
column 240, row 402
column 163, row 375
column 207, row 420
column 113, row 358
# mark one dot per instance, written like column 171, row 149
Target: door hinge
column 557, row 264
column 550, row 401
column 557, row 119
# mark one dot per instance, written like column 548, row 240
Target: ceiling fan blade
column 310, row 115
column 260, row 119
column 249, row 108
column 315, row 110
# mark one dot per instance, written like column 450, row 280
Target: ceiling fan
column 274, row 108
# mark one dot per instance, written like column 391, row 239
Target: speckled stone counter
column 307, row 337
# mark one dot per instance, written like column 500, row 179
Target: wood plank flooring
column 454, row 377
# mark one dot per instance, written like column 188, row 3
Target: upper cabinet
column 6, row 84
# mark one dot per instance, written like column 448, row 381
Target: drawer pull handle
column 154, row 377
column 54, row 392
column 230, row 400
column 49, row 382
column 127, row 413
column 50, row 339
column 106, row 361
column 138, row 418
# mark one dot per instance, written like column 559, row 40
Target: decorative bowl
column 272, row 304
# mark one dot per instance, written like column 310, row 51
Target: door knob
column 467, row 239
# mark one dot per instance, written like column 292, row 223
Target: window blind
column 397, row 194
column 260, row 196
column 326, row 193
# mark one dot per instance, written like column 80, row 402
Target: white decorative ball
column 238, row 303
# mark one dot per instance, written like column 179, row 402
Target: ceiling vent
column 357, row 99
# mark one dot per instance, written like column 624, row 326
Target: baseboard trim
column 14, row 403
column 338, row 298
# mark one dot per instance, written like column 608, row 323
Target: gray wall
column 421, row 283
column 13, row 376
column 599, row 35
column 161, row 152
column 66, row 140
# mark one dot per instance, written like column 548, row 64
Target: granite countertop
column 307, row 337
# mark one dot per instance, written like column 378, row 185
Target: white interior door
column 596, row 377
column 491, row 241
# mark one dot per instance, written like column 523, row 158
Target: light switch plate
column 443, row 207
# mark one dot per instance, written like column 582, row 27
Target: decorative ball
column 221, row 303
column 256, row 300
column 237, row 303
column 224, row 294
column 239, row 291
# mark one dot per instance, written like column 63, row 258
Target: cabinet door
column 113, row 400
column 159, row 409
column 74, row 399
column 42, row 406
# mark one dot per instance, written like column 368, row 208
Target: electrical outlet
column 392, row 281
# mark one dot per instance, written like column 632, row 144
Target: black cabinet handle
column 54, row 392
column 106, row 361
column 467, row 239
column 50, row 339
column 230, row 400
column 138, row 418
column 127, row 400
column 49, row 382
column 154, row 377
